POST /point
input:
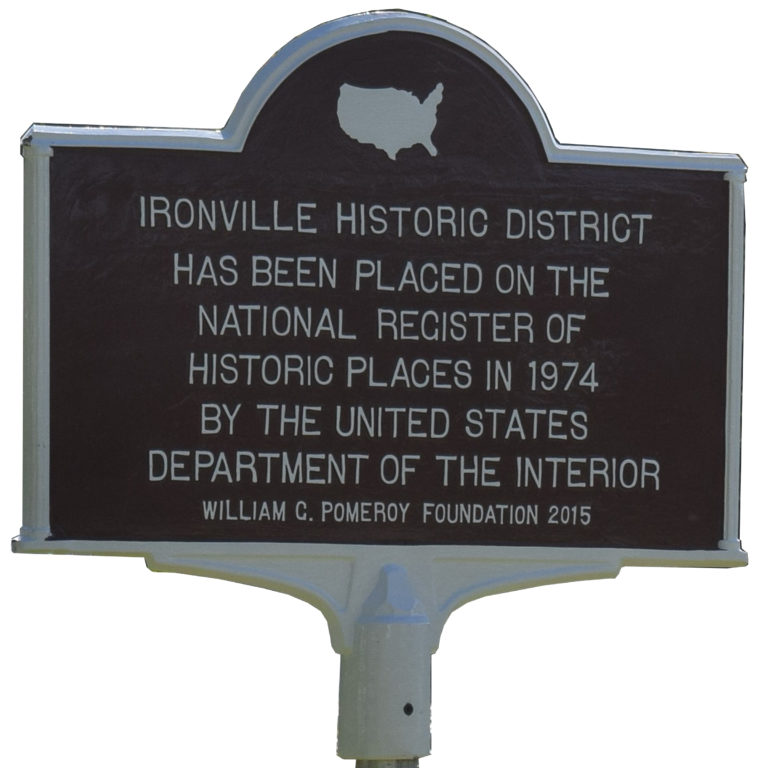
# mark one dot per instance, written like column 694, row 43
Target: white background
column 107, row 664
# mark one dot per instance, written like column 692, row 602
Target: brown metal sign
column 391, row 310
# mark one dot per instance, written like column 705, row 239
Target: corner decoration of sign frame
column 384, row 344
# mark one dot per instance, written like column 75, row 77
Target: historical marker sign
column 384, row 306
column 381, row 343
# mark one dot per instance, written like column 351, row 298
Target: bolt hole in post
column 408, row 709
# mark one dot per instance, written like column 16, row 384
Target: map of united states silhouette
column 389, row 118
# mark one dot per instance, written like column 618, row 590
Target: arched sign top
column 334, row 33
column 305, row 48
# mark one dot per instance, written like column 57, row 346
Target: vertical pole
column 385, row 683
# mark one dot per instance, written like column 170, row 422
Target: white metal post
column 385, row 681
